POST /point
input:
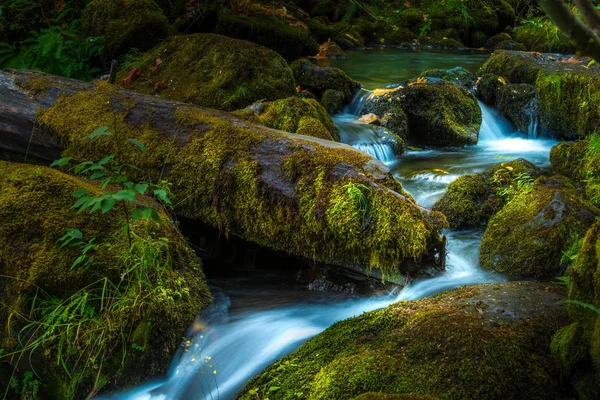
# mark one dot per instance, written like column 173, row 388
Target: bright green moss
column 35, row 209
column 569, row 159
column 453, row 346
column 568, row 346
column 543, row 36
column 528, row 236
column 214, row 71
column 569, row 103
column 471, row 200
column 221, row 170
column 332, row 100
column 516, row 67
column 302, row 116
column 125, row 24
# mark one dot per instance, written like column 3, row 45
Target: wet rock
column 471, row 200
column 420, row 347
column 324, row 285
column 529, row 235
column 319, row 79
column 212, row 71
column 519, row 104
column 458, row 76
column 370, row 119
column 332, row 100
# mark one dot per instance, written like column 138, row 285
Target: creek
column 245, row 330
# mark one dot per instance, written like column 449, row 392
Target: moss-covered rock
column 484, row 342
column 471, row 200
column 487, row 89
column 231, row 174
column 36, row 209
column 529, row 235
column 412, row 19
column 569, row 159
column 213, row 71
column 495, row 40
column 332, row 100
column 518, row 103
column 567, row 93
column 385, row 396
column 543, row 36
column 319, row 79
column 458, row 76
column 438, row 114
column 269, row 31
column 125, row 24
column 302, row 116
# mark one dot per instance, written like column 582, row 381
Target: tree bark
column 580, row 34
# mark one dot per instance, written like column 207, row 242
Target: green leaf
column 102, row 131
column 76, row 233
column 97, row 175
column 136, row 214
column 162, row 195
column 274, row 388
column 106, row 159
column 61, row 162
column 138, row 144
column 141, row 188
column 128, row 195
column 107, row 205
column 80, row 192
column 149, row 213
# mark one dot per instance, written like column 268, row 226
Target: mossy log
column 305, row 196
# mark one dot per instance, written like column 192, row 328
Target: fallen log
column 312, row 198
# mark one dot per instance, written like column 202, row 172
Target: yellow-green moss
column 568, row 346
column 215, row 160
column 528, row 236
column 332, row 100
column 385, row 396
column 453, row 346
column 569, row 159
column 514, row 66
column 543, row 36
column 214, row 71
column 302, row 116
column 125, row 24
column 35, row 210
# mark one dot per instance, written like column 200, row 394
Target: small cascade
column 494, row 126
column 381, row 151
column 534, row 119
column 355, row 108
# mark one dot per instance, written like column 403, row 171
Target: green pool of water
column 376, row 68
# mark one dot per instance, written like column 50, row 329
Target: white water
column 241, row 345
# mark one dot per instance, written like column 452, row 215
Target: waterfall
column 534, row 119
column 494, row 126
column 381, row 151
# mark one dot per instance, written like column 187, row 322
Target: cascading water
column 240, row 344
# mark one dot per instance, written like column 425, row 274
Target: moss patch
column 36, row 209
column 455, row 346
column 319, row 79
column 213, row 71
column 528, row 236
column 125, row 24
column 569, row 159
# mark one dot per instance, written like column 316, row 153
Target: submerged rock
column 125, row 24
column 530, row 234
column 471, row 200
column 319, row 79
column 212, row 71
column 438, row 114
column 482, row 342
column 566, row 89
column 36, row 210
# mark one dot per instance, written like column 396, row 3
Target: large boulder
column 212, row 71
column 140, row 334
column 569, row 159
column 437, row 114
column 272, row 31
column 319, row 79
column 471, row 200
column 125, row 24
column 530, row 234
column 313, row 198
column 483, row 342
column 297, row 115
column 518, row 103
column 566, row 89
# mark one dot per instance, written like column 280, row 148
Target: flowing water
column 238, row 342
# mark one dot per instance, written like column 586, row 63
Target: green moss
column 412, row 19
column 332, row 100
column 568, row 346
column 214, row 71
column 458, row 76
column 570, row 103
column 543, row 36
column 32, row 263
column 471, row 200
column 214, row 162
column 268, row 30
column 125, row 24
column 319, row 79
column 569, row 159
column 528, row 236
column 453, row 346
column 385, row 396
column 302, row 116
column 487, row 89
column 513, row 66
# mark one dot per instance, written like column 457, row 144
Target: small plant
column 509, row 185
column 356, row 199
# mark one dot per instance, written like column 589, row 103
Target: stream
column 239, row 341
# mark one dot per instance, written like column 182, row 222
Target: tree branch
column 580, row 34
column 589, row 12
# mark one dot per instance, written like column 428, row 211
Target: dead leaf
column 502, row 80
column 156, row 66
column 159, row 84
column 133, row 74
